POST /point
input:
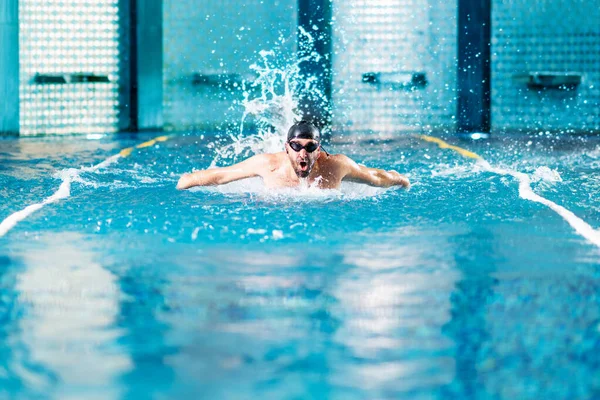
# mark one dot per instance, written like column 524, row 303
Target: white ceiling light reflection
column 396, row 301
column 72, row 304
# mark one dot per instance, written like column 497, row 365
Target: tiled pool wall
column 61, row 44
column 545, row 36
column 207, row 42
column 204, row 42
column 395, row 39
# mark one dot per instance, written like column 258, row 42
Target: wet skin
column 291, row 168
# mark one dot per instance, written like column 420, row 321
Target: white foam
column 110, row 160
column 547, row 175
column 64, row 190
column 525, row 192
column 252, row 231
column 459, row 171
column 255, row 187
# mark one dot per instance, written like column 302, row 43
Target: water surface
column 456, row 288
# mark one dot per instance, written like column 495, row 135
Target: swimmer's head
column 303, row 147
column 304, row 130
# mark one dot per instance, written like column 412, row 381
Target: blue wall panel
column 394, row 40
column 69, row 66
column 209, row 39
column 551, row 37
column 9, row 67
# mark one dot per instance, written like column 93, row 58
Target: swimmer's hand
column 187, row 181
column 398, row 179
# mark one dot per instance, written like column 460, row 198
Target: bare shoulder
column 341, row 159
column 338, row 161
column 265, row 163
column 272, row 161
column 261, row 160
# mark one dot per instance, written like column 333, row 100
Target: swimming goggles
column 309, row 147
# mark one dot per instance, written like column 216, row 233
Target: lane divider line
column 525, row 191
column 126, row 152
column 152, row 142
column 64, row 189
column 444, row 145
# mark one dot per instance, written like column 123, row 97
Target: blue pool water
column 457, row 288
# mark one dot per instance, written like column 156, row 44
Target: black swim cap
column 303, row 130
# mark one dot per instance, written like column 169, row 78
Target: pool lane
column 525, row 191
column 450, row 290
column 64, row 189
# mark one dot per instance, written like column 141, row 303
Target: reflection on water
column 70, row 308
column 143, row 334
column 387, row 307
column 468, row 325
column 454, row 289
column 15, row 358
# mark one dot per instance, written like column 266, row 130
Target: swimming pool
column 456, row 288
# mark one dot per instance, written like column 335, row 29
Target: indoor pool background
column 456, row 288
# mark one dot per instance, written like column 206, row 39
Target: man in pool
column 303, row 161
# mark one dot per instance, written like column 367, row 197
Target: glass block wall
column 69, row 66
column 209, row 46
column 400, row 45
column 553, row 38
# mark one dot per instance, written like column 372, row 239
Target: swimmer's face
column 301, row 157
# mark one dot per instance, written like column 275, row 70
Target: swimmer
column 303, row 161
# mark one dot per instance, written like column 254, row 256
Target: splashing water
column 283, row 88
column 546, row 176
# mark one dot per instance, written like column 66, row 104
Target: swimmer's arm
column 219, row 176
column 372, row 176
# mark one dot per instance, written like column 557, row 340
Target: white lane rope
column 525, row 191
column 63, row 192
column 64, row 189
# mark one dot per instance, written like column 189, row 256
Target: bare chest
column 279, row 179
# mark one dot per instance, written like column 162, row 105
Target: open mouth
column 303, row 165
